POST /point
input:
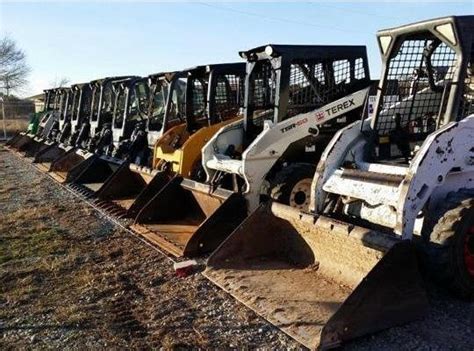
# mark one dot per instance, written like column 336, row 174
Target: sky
column 83, row 40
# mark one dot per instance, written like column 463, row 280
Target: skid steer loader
column 49, row 127
column 296, row 98
column 124, row 139
column 213, row 99
column 79, row 109
column 385, row 190
column 42, row 121
column 59, row 127
column 101, row 113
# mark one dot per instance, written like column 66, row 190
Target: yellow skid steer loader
column 386, row 191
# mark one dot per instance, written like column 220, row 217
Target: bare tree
column 13, row 67
column 59, row 82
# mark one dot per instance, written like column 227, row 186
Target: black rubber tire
column 443, row 250
column 282, row 184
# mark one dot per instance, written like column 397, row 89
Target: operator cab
column 287, row 80
column 161, row 113
column 421, row 71
column 131, row 102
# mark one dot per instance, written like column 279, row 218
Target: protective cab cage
column 430, row 79
column 287, row 80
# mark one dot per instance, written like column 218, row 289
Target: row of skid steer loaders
column 316, row 212
column 179, row 105
column 27, row 143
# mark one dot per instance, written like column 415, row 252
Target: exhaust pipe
column 186, row 218
column 321, row 281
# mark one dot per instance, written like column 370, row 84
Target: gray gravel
column 101, row 288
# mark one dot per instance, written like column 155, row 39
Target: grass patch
column 38, row 244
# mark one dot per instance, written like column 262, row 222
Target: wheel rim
column 301, row 194
column 469, row 251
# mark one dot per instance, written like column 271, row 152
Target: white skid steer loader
column 296, row 98
column 385, row 189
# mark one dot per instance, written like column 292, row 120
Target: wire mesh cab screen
column 312, row 84
column 262, row 91
column 107, row 104
column 414, row 96
column 467, row 106
column 228, row 96
column 198, row 98
column 417, row 76
column 315, row 83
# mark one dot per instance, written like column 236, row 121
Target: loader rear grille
column 407, row 90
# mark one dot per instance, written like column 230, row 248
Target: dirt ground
column 71, row 279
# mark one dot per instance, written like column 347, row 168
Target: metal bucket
column 97, row 171
column 321, row 281
column 17, row 140
column 70, row 165
column 44, row 159
column 132, row 187
column 186, row 218
column 30, row 148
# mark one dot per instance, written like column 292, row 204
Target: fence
column 14, row 115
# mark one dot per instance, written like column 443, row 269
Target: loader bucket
column 16, row 140
column 97, row 172
column 321, row 281
column 44, row 159
column 71, row 164
column 20, row 141
column 186, row 219
column 33, row 147
column 132, row 187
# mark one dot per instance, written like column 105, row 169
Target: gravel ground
column 71, row 279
